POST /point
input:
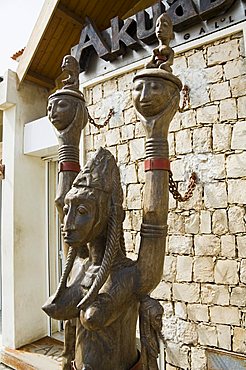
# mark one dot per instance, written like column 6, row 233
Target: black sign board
column 128, row 41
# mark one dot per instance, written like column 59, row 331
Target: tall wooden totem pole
column 102, row 292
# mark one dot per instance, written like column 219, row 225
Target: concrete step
column 44, row 354
column 4, row 367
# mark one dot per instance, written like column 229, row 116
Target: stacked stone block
column 203, row 290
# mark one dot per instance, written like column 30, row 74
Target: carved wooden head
column 62, row 110
column 93, row 207
column 70, row 64
column 164, row 28
column 80, row 215
column 89, row 203
column 154, row 90
column 64, row 104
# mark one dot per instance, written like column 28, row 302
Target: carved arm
column 156, row 98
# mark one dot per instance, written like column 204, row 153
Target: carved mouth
column 72, row 240
column 68, row 239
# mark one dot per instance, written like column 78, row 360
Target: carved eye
column 62, row 104
column 49, row 108
column 65, row 209
column 154, row 86
column 138, row 87
column 82, row 210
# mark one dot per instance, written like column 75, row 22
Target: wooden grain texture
column 35, row 38
column 42, row 50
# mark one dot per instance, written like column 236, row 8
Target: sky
column 17, row 20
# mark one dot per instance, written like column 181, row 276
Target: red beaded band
column 69, row 166
column 157, row 164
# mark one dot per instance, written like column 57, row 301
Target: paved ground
column 2, row 366
column 39, row 348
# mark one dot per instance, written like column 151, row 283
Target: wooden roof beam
column 64, row 12
column 40, row 79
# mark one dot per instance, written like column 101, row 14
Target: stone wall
column 203, row 290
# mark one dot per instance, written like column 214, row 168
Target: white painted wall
column 40, row 139
column 23, row 218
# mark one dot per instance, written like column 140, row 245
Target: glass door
column 54, row 254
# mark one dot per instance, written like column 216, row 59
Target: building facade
column 203, row 290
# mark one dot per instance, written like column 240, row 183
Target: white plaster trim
column 8, row 90
column 211, row 37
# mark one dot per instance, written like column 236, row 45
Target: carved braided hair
column 115, row 239
column 72, row 252
column 115, row 236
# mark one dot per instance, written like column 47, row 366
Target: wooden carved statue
column 71, row 67
column 101, row 295
column 150, row 321
column 68, row 114
column 163, row 55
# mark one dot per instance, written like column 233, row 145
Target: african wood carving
column 150, row 322
column 102, row 292
column 163, row 55
column 68, row 114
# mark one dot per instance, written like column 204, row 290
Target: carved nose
column 68, row 227
column 53, row 114
column 69, row 223
column 144, row 94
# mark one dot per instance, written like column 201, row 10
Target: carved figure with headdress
column 163, row 55
column 71, row 67
column 102, row 293
column 150, row 321
column 68, row 114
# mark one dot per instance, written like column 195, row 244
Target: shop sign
column 130, row 40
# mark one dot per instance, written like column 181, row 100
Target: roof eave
column 40, row 27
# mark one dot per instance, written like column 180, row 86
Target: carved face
column 80, row 217
column 156, row 322
column 164, row 30
column 151, row 95
column 68, row 63
column 61, row 111
column 156, row 312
